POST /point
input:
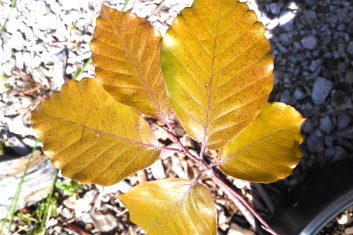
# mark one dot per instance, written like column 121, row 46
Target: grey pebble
column 275, row 8
column 326, row 125
column 345, row 133
column 329, row 141
column 307, row 127
column 309, row 42
column 349, row 77
column 315, row 64
column 339, row 99
column 315, row 142
column 340, row 153
column 321, row 90
column 284, row 37
column 311, row 2
column 350, row 48
column 299, row 93
column 330, row 153
column 343, row 121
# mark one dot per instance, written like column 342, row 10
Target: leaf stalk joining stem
column 243, row 205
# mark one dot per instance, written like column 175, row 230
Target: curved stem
column 202, row 151
column 231, row 192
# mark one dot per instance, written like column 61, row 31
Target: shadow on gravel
column 314, row 73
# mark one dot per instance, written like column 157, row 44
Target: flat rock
column 36, row 186
column 321, row 89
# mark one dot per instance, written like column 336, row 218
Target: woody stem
column 243, row 205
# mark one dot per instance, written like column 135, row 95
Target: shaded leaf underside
column 168, row 207
column 268, row 149
column 218, row 69
column 91, row 137
column 126, row 56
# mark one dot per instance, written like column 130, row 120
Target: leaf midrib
column 211, row 76
column 133, row 62
column 99, row 131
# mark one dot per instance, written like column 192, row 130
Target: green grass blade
column 125, row 5
column 48, row 203
column 80, row 72
column 13, row 4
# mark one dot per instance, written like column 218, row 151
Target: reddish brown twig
column 238, row 199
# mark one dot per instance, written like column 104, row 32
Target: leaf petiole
column 238, row 199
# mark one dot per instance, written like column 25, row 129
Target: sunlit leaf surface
column 268, row 149
column 91, row 137
column 164, row 207
column 218, row 69
column 126, row 56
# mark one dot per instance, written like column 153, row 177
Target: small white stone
column 39, row 8
column 285, row 17
column 29, row 142
column 7, row 68
column 19, row 60
column 48, row 21
column 17, row 127
column 343, row 219
column 158, row 170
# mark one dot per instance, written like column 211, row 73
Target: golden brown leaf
column 268, row 149
column 218, row 69
column 171, row 207
column 126, row 55
column 91, row 137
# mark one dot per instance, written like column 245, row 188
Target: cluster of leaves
column 213, row 68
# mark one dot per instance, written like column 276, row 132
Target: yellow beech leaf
column 91, row 137
column 268, row 149
column 126, row 56
column 218, row 69
column 170, row 207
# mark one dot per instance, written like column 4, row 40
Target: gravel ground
column 45, row 43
